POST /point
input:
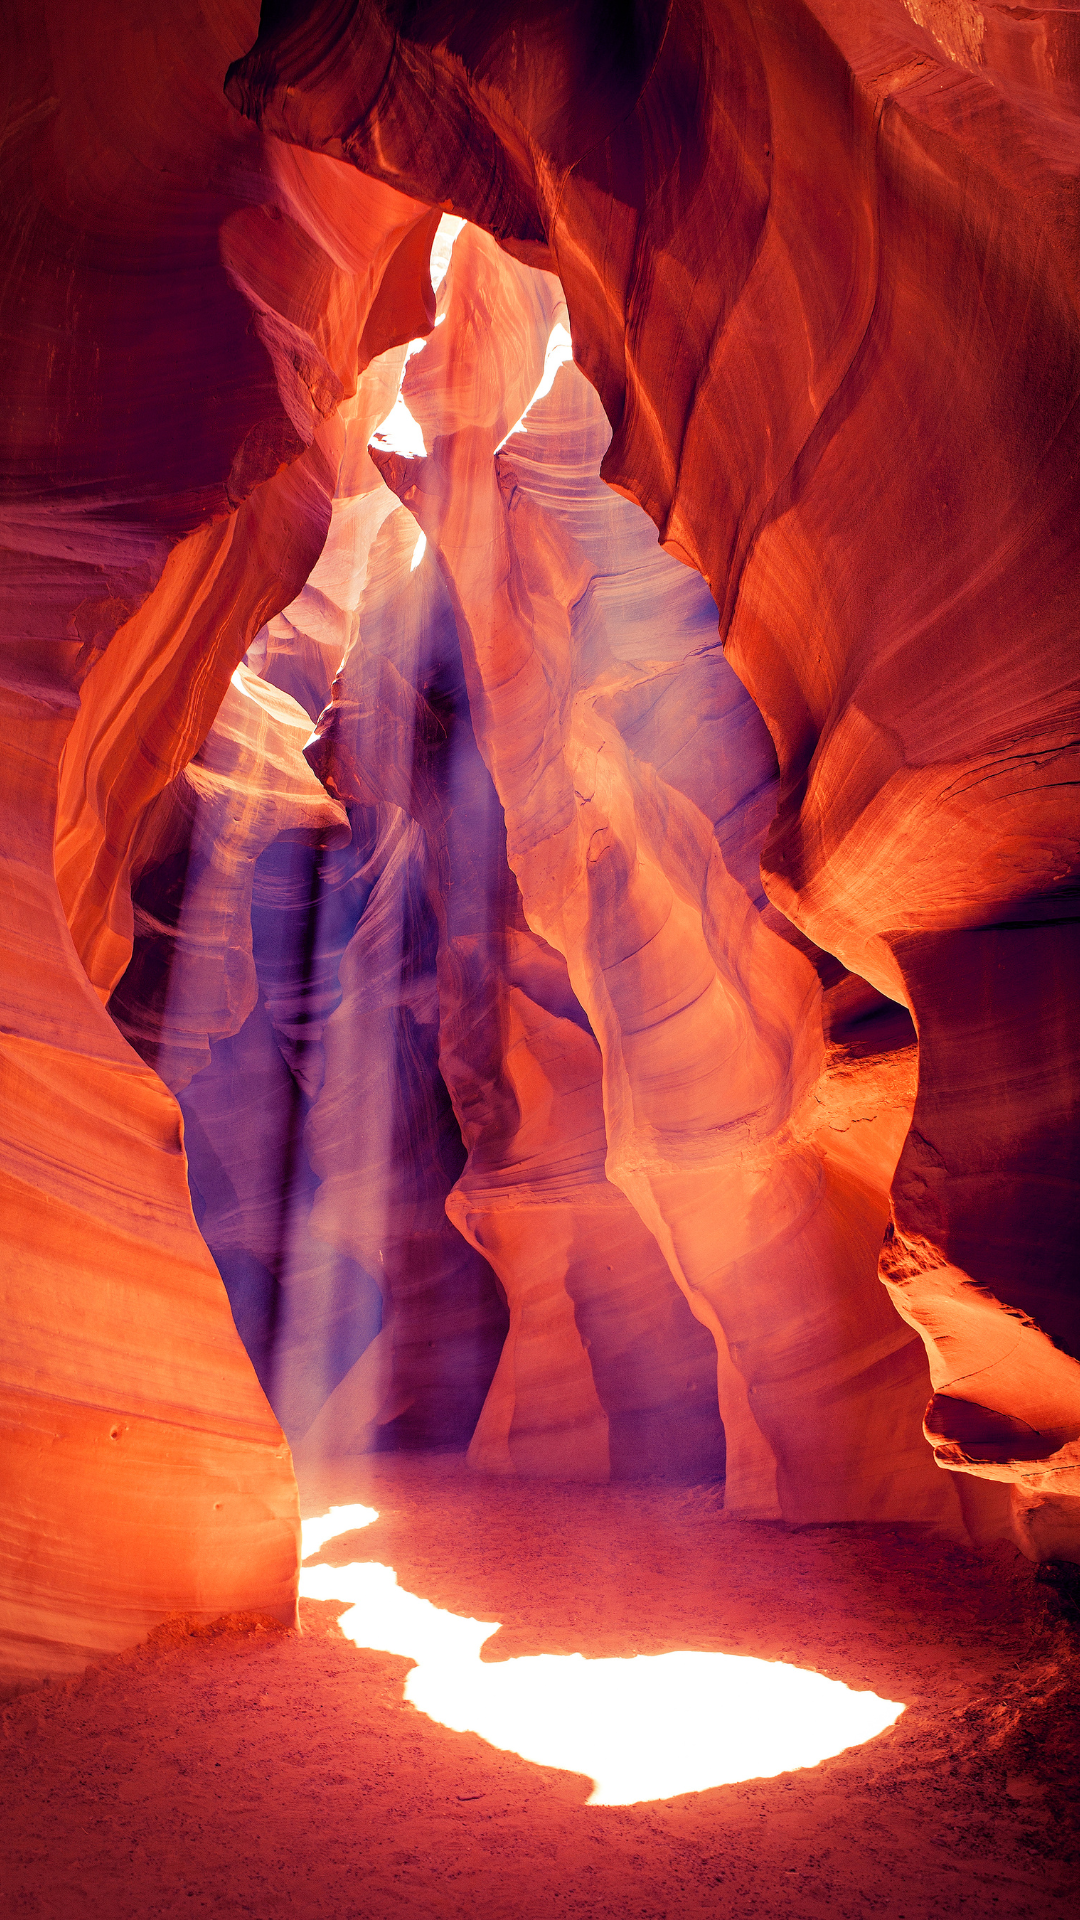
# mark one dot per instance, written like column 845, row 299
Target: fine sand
column 241, row 1770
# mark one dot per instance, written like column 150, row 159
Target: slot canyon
column 539, row 950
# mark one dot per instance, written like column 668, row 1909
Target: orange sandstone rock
column 180, row 323
column 708, row 1023
column 818, row 264
column 820, row 268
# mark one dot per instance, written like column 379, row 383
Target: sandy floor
column 251, row 1772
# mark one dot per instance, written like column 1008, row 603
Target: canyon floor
column 243, row 1770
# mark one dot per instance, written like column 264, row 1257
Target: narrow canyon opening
column 542, row 1359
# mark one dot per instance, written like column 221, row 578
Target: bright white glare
column 645, row 1728
column 443, row 246
column 559, row 350
column 315, row 1533
column 418, row 553
column 399, row 432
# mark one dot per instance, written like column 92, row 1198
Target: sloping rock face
column 820, row 268
column 185, row 302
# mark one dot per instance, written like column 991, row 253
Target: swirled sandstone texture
column 283, row 982
column 819, row 266
column 603, row 1371
column 246, row 884
column 185, row 304
column 631, row 771
column 819, row 260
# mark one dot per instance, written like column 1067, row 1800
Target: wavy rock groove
column 539, row 832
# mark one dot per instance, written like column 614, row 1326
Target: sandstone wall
column 544, row 1039
column 819, row 266
column 183, row 304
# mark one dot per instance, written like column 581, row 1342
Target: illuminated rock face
column 629, row 761
column 183, row 305
column 818, row 271
column 604, row 1370
column 538, row 1032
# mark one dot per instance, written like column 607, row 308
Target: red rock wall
column 604, row 1371
column 819, row 267
column 709, row 1024
column 182, row 306
column 512, row 962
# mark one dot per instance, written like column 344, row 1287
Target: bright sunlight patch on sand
column 330, row 1526
column 646, row 1728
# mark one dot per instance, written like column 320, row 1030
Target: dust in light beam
column 645, row 1728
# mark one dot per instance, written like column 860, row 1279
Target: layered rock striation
column 604, row 1370
column 472, row 952
column 185, row 305
column 819, row 268
column 709, row 1024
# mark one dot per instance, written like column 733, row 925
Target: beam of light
column 418, row 552
column 645, row 1728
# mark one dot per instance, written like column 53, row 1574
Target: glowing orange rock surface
column 182, row 316
column 542, row 1031
column 819, row 271
column 709, row 1024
